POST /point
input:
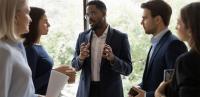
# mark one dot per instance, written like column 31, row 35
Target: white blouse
column 15, row 74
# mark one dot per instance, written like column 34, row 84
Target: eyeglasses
column 88, row 15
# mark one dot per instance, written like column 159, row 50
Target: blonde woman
column 15, row 74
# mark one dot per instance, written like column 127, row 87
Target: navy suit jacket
column 111, row 84
column 163, row 57
column 187, row 77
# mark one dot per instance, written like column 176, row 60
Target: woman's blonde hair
column 8, row 9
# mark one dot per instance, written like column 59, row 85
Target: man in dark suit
column 165, row 47
column 103, row 54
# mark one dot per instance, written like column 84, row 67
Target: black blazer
column 186, row 82
column 111, row 83
column 163, row 57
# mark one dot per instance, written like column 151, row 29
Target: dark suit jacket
column 111, row 83
column 186, row 82
column 163, row 57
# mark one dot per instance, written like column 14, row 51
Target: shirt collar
column 156, row 39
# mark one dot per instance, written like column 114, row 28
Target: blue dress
column 41, row 65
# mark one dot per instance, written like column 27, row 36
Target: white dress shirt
column 96, row 54
column 15, row 74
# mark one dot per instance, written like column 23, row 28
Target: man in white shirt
column 103, row 54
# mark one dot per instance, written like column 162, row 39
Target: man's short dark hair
column 99, row 5
column 159, row 8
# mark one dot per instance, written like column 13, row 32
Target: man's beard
column 96, row 26
column 151, row 31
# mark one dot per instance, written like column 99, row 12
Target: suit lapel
column 108, row 41
column 109, row 35
column 157, row 49
column 89, row 36
column 146, row 65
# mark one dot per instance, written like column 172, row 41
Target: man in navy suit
column 103, row 54
column 165, row 47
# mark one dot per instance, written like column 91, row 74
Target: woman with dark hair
column 38, row 59
column 186, row 81
column 37, row 15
